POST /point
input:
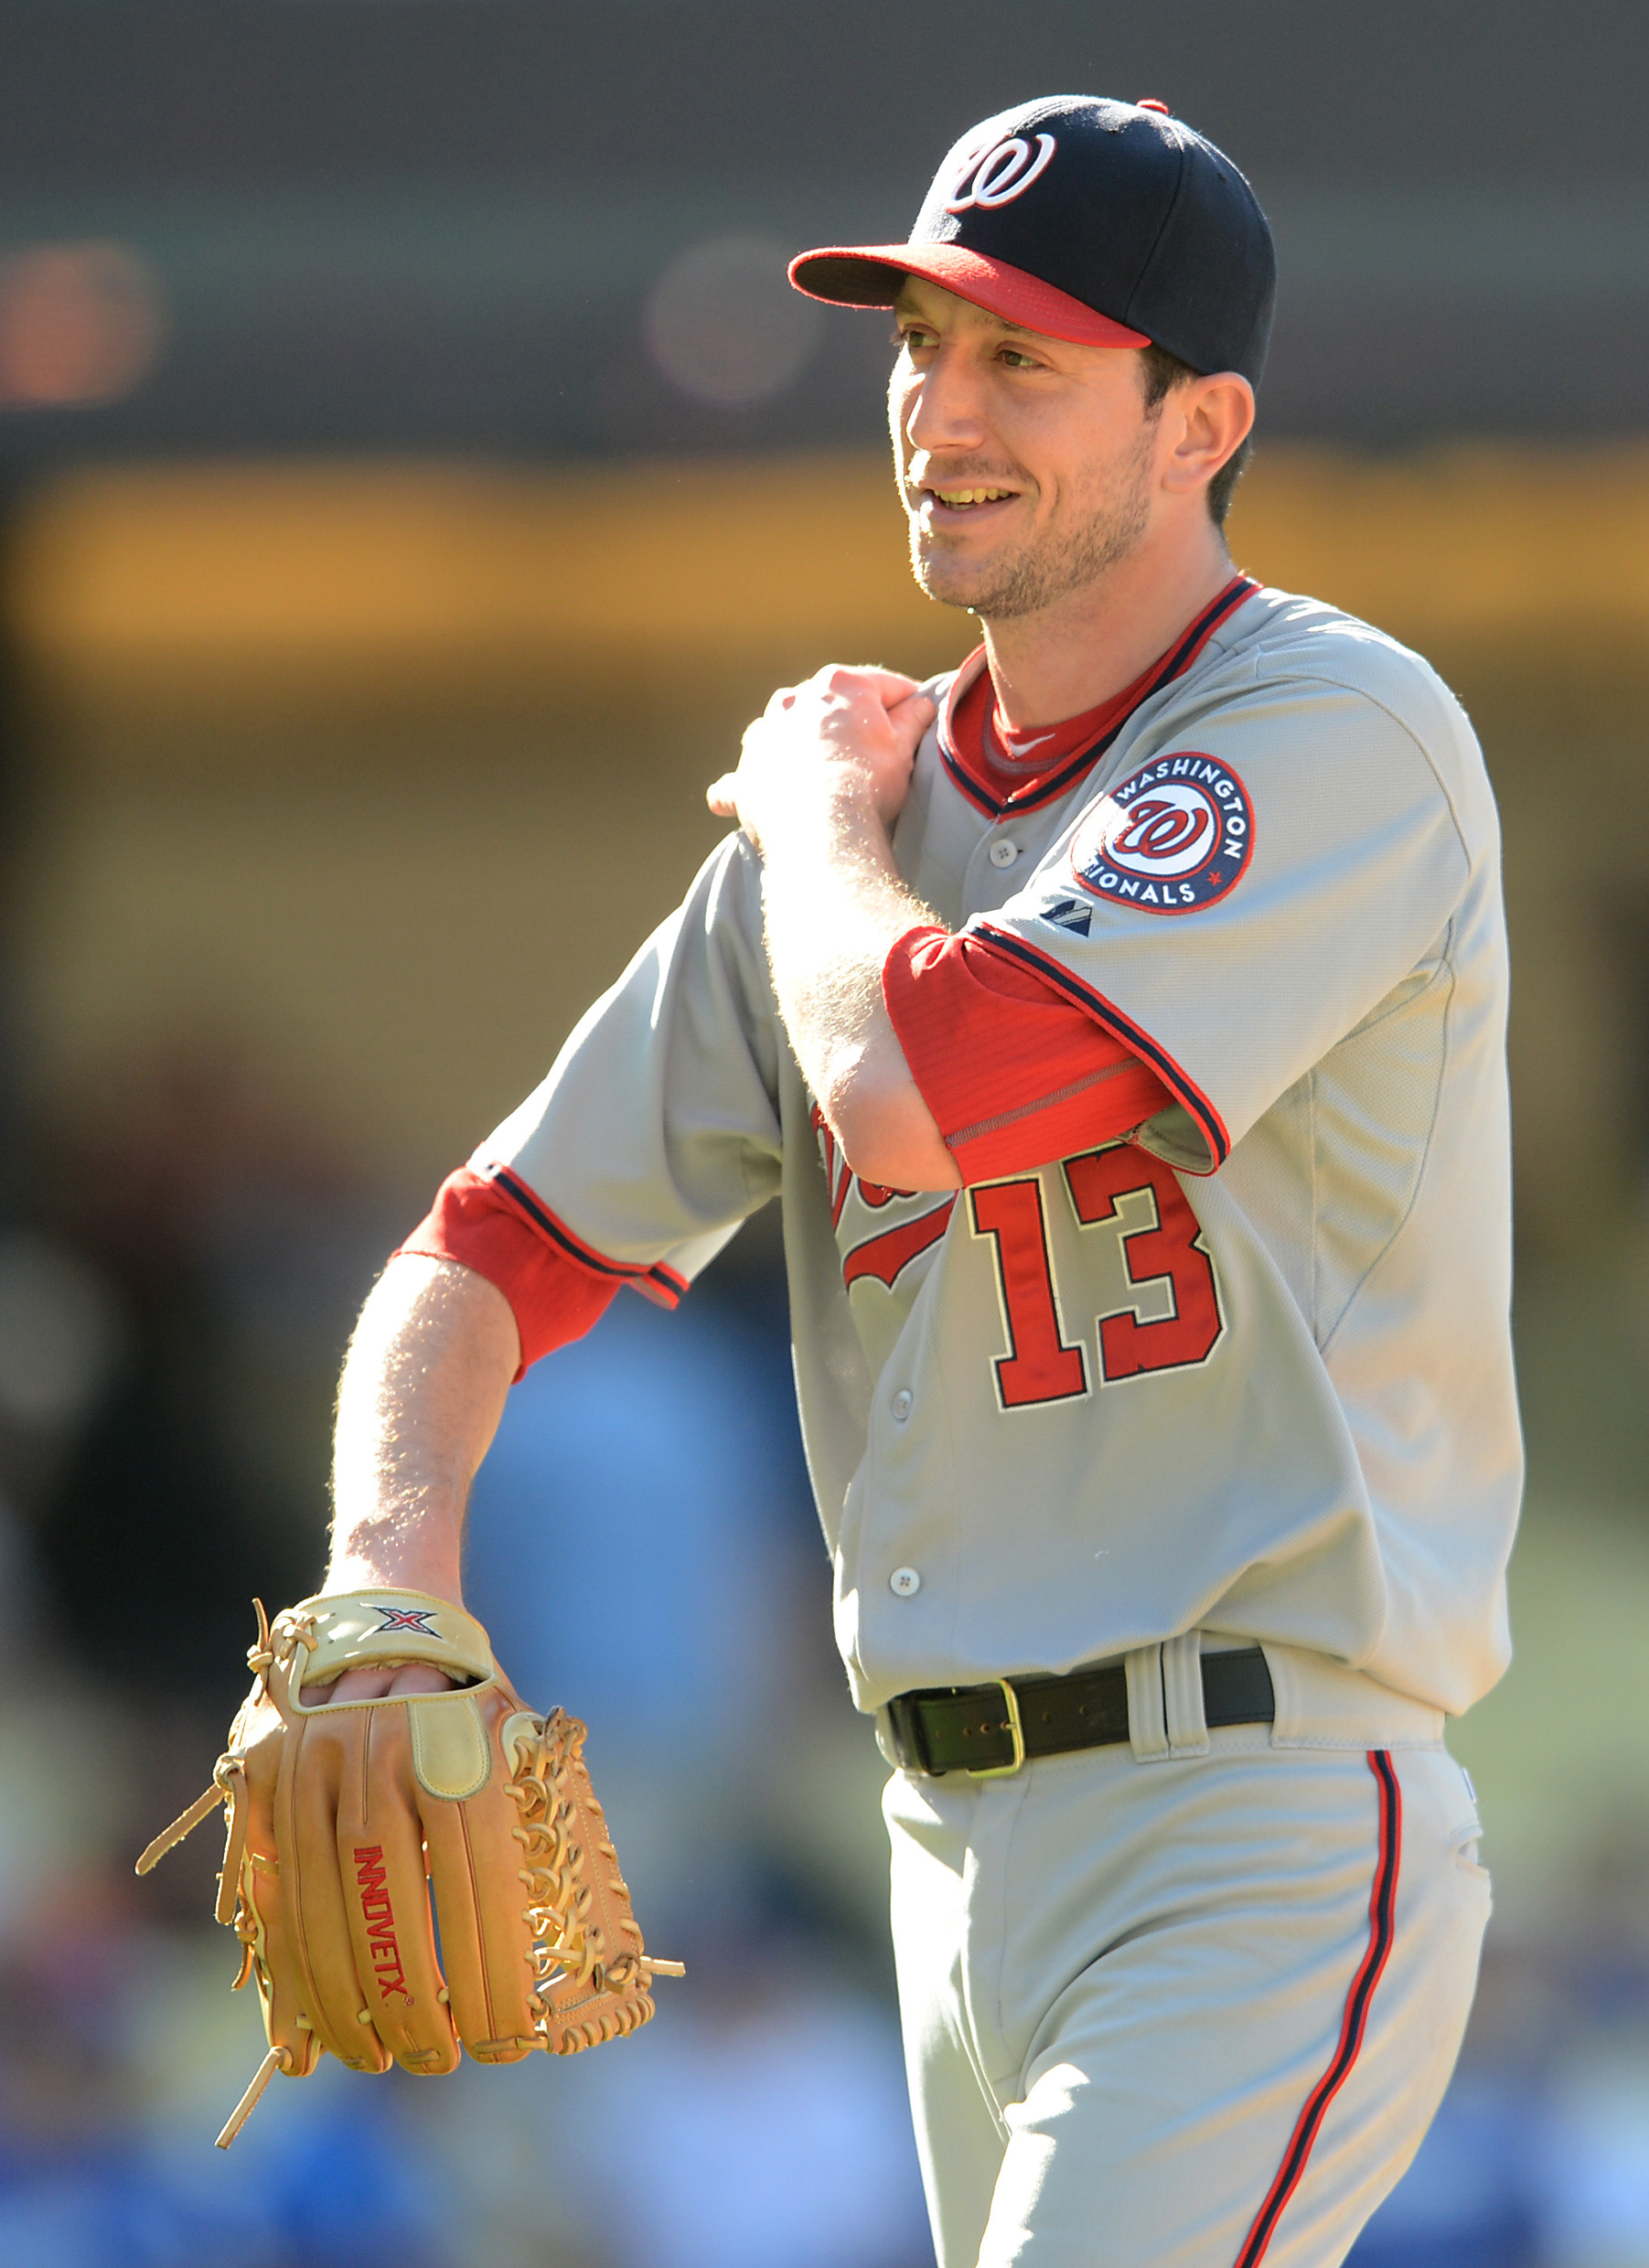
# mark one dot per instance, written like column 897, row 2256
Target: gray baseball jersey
column 1248, row 1371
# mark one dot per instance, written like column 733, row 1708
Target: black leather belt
column 993, row 1729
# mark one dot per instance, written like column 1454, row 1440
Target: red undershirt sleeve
column 554, row 1294
column 1014, row 1074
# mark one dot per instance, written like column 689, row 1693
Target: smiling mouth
column 967, row 499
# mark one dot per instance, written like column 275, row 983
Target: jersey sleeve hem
column 1015, row 1073
column 1121, row 1028
column 558, row 1287
column 665, row 1286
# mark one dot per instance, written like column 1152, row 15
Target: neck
column 1089, row 644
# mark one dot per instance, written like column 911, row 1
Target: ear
column 1212, row 418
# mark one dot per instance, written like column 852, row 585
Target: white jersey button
column 1003, row 853
column 905, row 1582
column 902, row 1404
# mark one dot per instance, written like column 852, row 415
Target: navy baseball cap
column 1111, row 224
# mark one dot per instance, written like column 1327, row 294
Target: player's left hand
column 844, row 730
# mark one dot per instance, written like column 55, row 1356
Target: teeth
column 971, row 496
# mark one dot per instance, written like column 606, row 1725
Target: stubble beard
column 1037, row 574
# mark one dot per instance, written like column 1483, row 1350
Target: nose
column 942, row 407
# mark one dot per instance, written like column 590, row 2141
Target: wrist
column 349, row 1575
column 822, row 810
column 385, row 1554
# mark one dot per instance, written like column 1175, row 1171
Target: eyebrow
column 1022, row 331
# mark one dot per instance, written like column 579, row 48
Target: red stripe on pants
column 1382, row 1909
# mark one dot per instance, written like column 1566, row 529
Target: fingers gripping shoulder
column 353, row 1827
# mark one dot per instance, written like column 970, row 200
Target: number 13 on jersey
column 1138, row 1200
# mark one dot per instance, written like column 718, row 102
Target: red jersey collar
column 971, row 737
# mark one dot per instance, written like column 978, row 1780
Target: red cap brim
column 869, row 275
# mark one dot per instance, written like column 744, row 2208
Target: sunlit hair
column 1163, row 373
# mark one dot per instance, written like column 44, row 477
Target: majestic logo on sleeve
column 1176, row 836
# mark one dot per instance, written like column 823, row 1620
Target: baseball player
column 1119, row 1021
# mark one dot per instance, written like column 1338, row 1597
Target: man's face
column 1026, row 465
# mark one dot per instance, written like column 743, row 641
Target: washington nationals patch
column 1176, row 836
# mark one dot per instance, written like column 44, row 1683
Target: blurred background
column 414, row 471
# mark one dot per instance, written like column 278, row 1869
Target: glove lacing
column 569, row 1945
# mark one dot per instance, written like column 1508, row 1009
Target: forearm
column 834, row 907
column 419, row 1400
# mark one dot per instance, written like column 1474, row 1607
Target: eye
column 1017, row 359
column 915, row 336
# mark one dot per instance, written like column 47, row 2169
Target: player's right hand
column 852, row 728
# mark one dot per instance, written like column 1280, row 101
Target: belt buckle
column 1006, row 1772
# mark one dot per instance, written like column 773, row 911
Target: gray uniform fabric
column 1184, row 2016
column 1249, row 1374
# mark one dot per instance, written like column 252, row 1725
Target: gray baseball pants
column 1184, row 2011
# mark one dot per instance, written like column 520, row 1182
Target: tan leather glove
column 346, row 1818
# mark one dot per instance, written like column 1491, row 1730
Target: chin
column 952, row 582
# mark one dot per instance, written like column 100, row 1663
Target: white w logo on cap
column 1005, row 171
